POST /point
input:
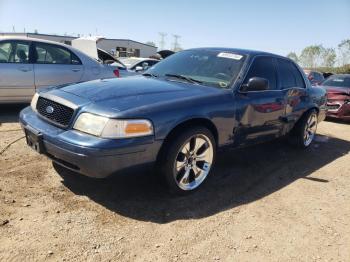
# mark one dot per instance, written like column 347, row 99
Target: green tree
column 293, row 56
column 328, row 57
column 311, row 55
column 344, row 52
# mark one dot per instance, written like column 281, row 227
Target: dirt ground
column 269, row 202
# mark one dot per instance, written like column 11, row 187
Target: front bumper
column 339, row 110
column 90, row 155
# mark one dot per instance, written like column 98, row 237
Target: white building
column 118, row 47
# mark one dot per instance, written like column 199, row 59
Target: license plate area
column 34, row 140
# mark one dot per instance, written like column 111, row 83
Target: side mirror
column 256, row 84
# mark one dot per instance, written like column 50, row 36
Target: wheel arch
column 198, row 121
column 309, row 109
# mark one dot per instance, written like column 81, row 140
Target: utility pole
column 176, row 42
column 162, row 40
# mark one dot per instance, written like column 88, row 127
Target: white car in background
column 27, row 64
column 138, row 65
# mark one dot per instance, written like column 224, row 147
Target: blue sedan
column 176, row 115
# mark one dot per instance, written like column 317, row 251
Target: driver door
column 260, row 113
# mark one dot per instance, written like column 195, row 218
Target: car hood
column 132, row 92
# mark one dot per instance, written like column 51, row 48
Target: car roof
column 239, row 50
column 46, row 42
column 32, row 39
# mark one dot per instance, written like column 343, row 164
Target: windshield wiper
column 149, row 74
column 187, row 78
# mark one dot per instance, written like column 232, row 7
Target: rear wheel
column 187, row 160
column 305, row 130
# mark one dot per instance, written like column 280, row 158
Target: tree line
column 320, row 57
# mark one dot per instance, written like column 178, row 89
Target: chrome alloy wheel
column 310, row 129
column 193, row 162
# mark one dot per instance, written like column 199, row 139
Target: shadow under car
column 241, row 176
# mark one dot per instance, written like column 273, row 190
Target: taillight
column 116, row 73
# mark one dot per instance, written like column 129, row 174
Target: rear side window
column 263, row 67
column 52, row 54
column 289, row 75
column 5, row 51
column 14, row 52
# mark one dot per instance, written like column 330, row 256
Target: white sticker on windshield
column 230, row 56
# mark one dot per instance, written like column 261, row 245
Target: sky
column 277, row 26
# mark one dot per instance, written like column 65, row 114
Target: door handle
column 24, row 69
column 76, row 69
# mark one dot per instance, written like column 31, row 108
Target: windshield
column 212, row 68
column 337, row 81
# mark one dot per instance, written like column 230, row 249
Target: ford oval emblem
column 49, row 110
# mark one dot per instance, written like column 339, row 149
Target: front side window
column 208, row 67
column 14, row 52
column 289, row 75
column 263, row 67
column 52, row 54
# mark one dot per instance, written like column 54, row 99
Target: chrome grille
column 57, row 113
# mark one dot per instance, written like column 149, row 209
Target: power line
column 176, row 42
column 162, row 40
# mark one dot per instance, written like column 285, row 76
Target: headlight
column 34, row 101
column 113, row 128
column 91, row 124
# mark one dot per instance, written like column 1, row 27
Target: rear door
column 16, row 71
column 291, row 81
column 56, row 65
column 260, row 112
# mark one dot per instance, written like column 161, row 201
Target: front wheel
column 188, row 159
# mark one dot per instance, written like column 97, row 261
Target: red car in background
column 338, row 93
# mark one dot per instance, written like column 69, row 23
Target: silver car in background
column 27, row 64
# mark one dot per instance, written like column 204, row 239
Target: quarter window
column 263, row 67
column 289, row 75
column 52, row 54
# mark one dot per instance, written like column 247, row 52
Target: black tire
column 171, row 155
column 298, row 135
